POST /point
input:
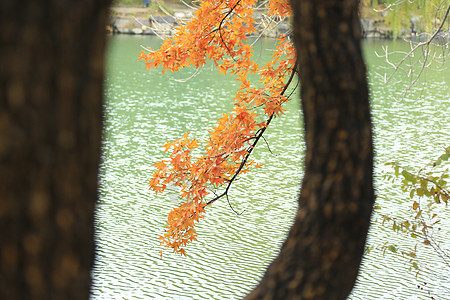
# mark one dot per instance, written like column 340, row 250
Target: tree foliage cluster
column 219, row 33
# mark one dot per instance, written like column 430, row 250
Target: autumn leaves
column 219, row 33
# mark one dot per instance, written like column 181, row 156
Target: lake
column 145, row 109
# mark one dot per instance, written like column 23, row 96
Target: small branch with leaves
column 424, row 222
column 219, row 33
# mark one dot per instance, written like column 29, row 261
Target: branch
column 258, row 136
column 233, row 208
column 442, row 189
column 220, row 27
column 195, row 74
column 189, row 6
column 268, row 148
column 426, row 43
column 433, row 243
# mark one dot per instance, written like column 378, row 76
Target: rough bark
column 321, row 256
column 51, row 77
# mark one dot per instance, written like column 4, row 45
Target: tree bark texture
column 51, row 79
column 322, row 253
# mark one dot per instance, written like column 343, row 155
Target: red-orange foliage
column 219, row 33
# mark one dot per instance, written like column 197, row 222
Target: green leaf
column 406, row 224
column 407, row 175
column 415, row 266
column 424, row 184
column 420, row 192
column 443, row 157
column 392, row 248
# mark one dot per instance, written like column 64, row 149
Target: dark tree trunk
column 321, row 256
column 51, row 76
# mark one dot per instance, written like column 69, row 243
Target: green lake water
column 145, row 109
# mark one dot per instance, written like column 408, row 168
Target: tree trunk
column 321, row 256
column 51, row 77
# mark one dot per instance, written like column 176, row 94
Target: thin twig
column 268, row 148
column 420, row 44
column 237, row 213
column 195, row 74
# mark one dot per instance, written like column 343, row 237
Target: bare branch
column 423, row 61
column 237, row 213
column 195, row 74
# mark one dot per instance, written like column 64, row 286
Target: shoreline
column 139, row 20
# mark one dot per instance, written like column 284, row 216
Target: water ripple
column 144, row 110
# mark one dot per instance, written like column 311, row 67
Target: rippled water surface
column 145, row 109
